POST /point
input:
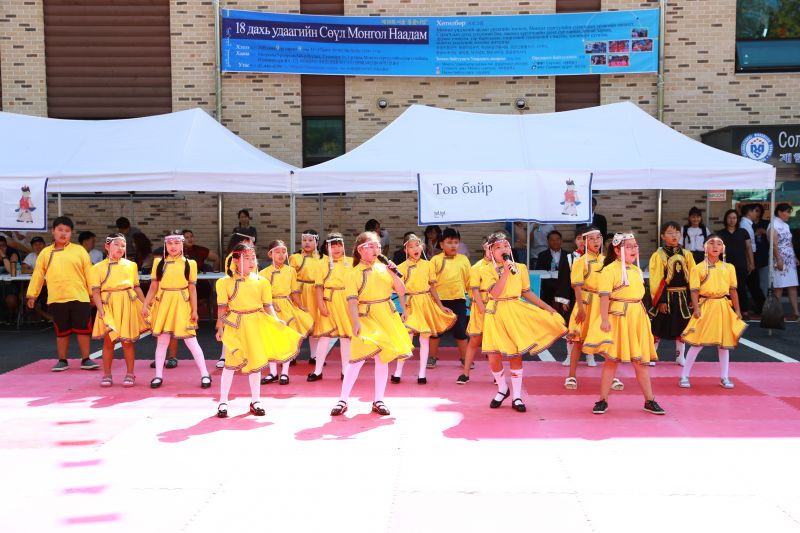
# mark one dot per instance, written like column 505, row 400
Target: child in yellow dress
column 286, row 301
column 423, row 312
column 621, row 333
column 512, row 326
column 173, row 294
column 118, row 298
column 714, row 322
column 333, row 317
column 249, row 327
column 305, row 263
column 479, row 296
column 378, row 331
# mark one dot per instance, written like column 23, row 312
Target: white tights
column 322, row 353
column 351, row 375
column 691, row 356
column 424, row 350
column 227, row 379
column 191, row 342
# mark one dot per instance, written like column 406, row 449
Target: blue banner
column 607, row 42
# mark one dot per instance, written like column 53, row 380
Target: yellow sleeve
column 319, row 275
column 605, row 283
column 690, row 263
column 526, row 277
column 95, row 275
column 86, row 264
column 576, row 276
column 135, row 274
column 474, row 278
column 435, row 267
column 351, row 284
column 266, row 291
column 222, row 293
column 293, row 262
column 656, row 269
column 37, row 278
column 156, row 261
column 732, row 282
column 295, row 285
column 694, row 279
column 192, row 271
column 263, row 272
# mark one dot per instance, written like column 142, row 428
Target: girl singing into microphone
column 512, row 326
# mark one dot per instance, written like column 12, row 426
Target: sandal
column 129, row 381
column 284, row 380
column 172, row 362
column 518, row 406
column 106, row 381
column 257, row 411
column 571, row 383
column 222, row 412
column 617, row 385
column 339, row 409
column 380, row 408
column 156, row 383
column 205, row 382
column 270, row 378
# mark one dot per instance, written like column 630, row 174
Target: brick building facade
column 702, row 93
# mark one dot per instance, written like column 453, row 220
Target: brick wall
column 22, row 66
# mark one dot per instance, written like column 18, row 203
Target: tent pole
column 219, row 227
column 662, row 25
column 292, row 221
column 528, row 233
column 60, row 212
column 217, row 64
column 659, row 215
column 771, row 237
column 321, row 217
column 708, row 209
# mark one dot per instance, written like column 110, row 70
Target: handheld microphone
column 385, row 260
column 513, row 268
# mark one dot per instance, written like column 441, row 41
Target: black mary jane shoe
column 172, row 362
column 380, row 408
column 156, row 383
column 395, row 379
column 284, row 380
column 222, row 412
column 269, row 378
column 422, row 381
column 314, row 377
column 312, row 361
column 339, row 409
column 518, row 406
column 205, row 382
column 257, row 411
column 497, row 403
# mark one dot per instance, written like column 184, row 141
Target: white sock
column 381, row 375
column 273, row 369
column 502, row 386
column 222, row 352
column 516, row 383
column 225, row 384
column 680, row 349
column 197, row 353
column 320, row 353
column 724, row 362
column 350, row 377
column 161, row 354
column 344, row 348
column 424, row 351
column 255, row 386
column 570, row 345
column 691, row 356
column 313, row 342
column 285, row 368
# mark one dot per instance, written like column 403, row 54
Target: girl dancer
column 621, row 333
column 248, row 326
column 714, row 322
column 118, row 298
column 306, row 262
column 333, row 316
column 423, row 312
column 285, row 300
column 378, row 332
column 174, row 312
column 512, row 326
column 479, row 291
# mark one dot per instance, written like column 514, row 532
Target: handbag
column 772, row 312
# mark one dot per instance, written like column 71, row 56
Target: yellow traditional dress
column 252, row 337
column 513, row 326
column 584, row 274
column 283, row 282
column 630, row 338
column 480, row 282
column 423, row 317
column 305, row 265
column 382, row 332
column 171, row 311
column 332, row 281
column 718, row 324
column 122, row 308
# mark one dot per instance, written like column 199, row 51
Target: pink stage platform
column 80, row 458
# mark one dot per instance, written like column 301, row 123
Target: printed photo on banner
column 24, row 204
column 619, row 60
column 643, row 45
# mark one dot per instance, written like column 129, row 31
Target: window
column 323, row 139
column 768, row 35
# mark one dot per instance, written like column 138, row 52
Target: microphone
column 513, row 268
column 385, row 260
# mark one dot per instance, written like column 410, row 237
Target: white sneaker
column 726, row 383
column 684, row 383
column 566, row 361
column 590, row 360
column 617, row 385
column 221, row 363
column 651, row 363
column 680, row 360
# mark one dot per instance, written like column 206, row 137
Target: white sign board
column 555, row 197
column 23, row 204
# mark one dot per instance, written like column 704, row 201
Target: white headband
column 590, row 232
column 315, row 237
column 276, row 248
column 367, row 243
column 174, row 237
column 109, row 240
column 619, row 240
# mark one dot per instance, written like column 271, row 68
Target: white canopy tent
column 621, row 144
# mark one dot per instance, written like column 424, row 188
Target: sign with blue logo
column 608, row 42
column 757, row 146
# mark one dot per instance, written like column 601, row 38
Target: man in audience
column 244, row 226
column 598, row 220
column 200, row 254
column 87, row 240
column 124, row 227
column 551, row 260
column 374, row 225
column 37, row 244
column 750, row 217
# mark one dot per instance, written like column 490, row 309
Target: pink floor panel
column 77, row 457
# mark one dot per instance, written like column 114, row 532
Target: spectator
column 749, row 218
column 374, row 225
column 37, row 244
column 539, row 233
column 200, row 254
column 400, row 255
column 762, row 248
column 598, row 220
column 18, row 240
column 551, row 260
column 9, row 257
column 738, row 253
column 433, row 237
column 124, row 227
column 694, row 235
column 244, row 226
column 519, row 233
column 235, row 239
column 8, row 264
column 784, row 269
column 87, row 240
column 144, row 252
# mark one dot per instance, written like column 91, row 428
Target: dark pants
column 754, row 286
column 741, row 287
